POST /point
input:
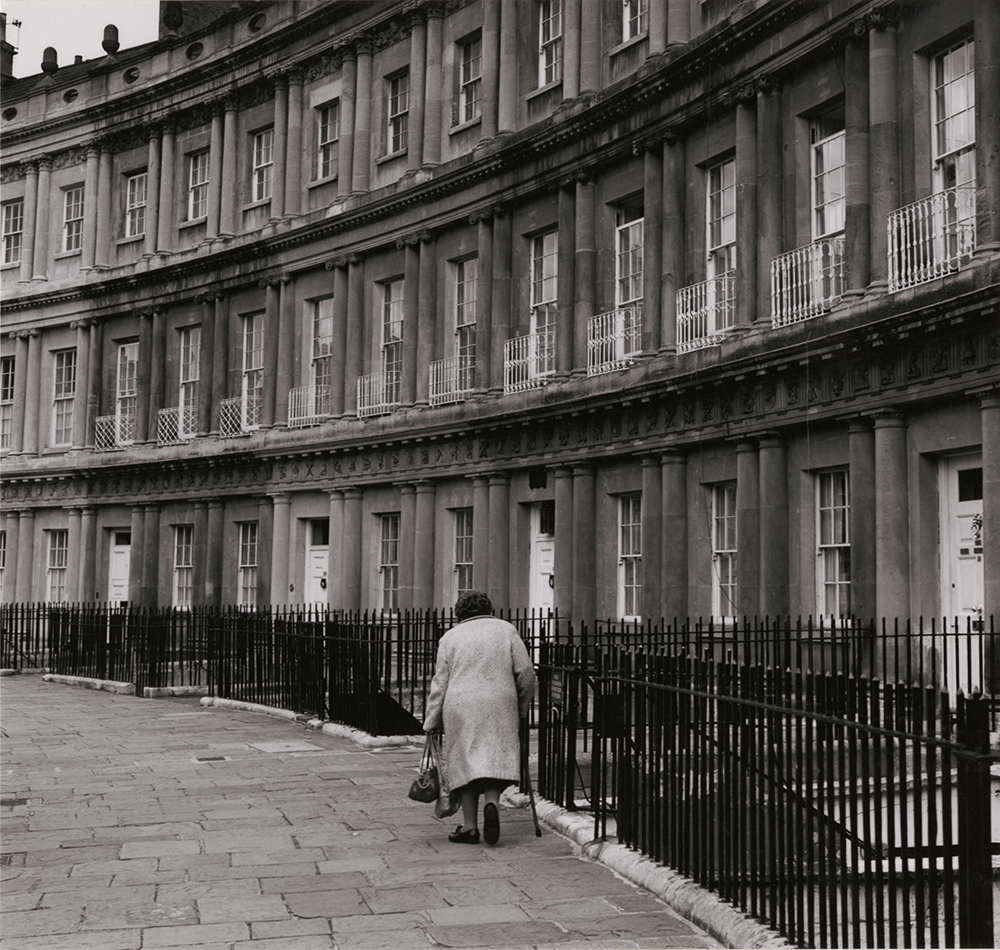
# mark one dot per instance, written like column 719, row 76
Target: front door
column 118, row 569
column 317, row 562
column 543, row 548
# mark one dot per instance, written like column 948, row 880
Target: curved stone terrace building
column 627, row 307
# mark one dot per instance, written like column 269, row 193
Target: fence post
column 975, row 866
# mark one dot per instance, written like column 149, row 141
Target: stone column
column 674, row 546
column 678, row 22
column 584, row 545
column 507, row 95
column 652, row 251
column 88, row 555
column 590, row 48
column 12, row 527
column 773, row 557
column 987, row 81
column 87, row 255
column 355, row 334
column 21, row 346
column 565, row 280
column 199, row 571
column 500, row 306
column 271, row 285
column 407, row 553
column 883, row 137
column 351, row 558
column 40, row 270
column 484, row 300
column 747, row 529
column 857, row 211
column 657, row 28
column 295, row 151
column 423, row 547
column 334, row 578
column 102, row 249
column 280, row 146
column 220, row 363
column 990, row 421
column 165, row 224
column 861, row 455
column 480, row 530
column 417, row 91
column 157, row 371
column 150, row 591
column 25, row 560
column 770, row 237
column 82, row 328
column 584, row 282
column 287, row 335
column 152, row 194
column 230, row 152
column 362, row 119
column 652, row 532
column 280, row 555
column 215, row 149
column 338, row 364
column 746, row 212
column 564, row 542
column 411, row 319
column 427, row 348
column 93, row 394
column 499, row 573
column 32, row 416
column 30, row 211
column 571, row 48
column 674, row 235
column 214, row 551
column 348, row 112
column 491, row 67
column 206, row 365
column 892, row 527
column 142, row 387
column 73, row 559
column 433, row 94
column 265, row 541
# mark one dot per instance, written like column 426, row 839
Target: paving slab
column 282, row 839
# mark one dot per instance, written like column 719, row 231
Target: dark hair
column 472, row 603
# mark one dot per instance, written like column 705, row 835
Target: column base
column 878, row 288
column 855, row 292
column 670, row 349
column 986, row 250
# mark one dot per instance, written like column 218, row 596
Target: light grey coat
column 483, row 683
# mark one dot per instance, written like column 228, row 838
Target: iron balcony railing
column 308, row 406
column 452, row 379
column 614, row 339
column 378, row 393
column 705, row 312
column 807, row 281
column 931, row 237
column 113, row 433
column 239, row 415
column 175, row 425
column 528, row 360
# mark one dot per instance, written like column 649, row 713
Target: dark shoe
column 491, row 823
column 464, row 837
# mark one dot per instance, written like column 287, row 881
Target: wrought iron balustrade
column 452, row 379
column 239, row 415
column 113, row 433
column 175, row 425
column 378, row 393
column 705, row 311
column 807, row 281
column 528, row 360
column 614, row 340
column 308, row 406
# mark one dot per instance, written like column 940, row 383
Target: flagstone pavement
column 159, row 823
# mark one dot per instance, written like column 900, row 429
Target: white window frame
column 466, row 298
column 463, row 568
column 950, row 148
column 392, row 337
column 188, row 386
column 252, row 378
column 388, row 561
column 635, row 19
column 247, row 562
column 8, row 369
column 57, row 563
column 629, row 225
column 136, row 193
column 827, row 174
column 549, row 42
column 183, row 566
column 73, row 218
column 263, row 165
column 833, row 544
column 13, row 231
column 720, row 218
column 630, row 556
column 470, row 80
column 126, row 392
column 544, row 299
column 63, row 395
column 321, row 362
column 197, row 185
column 725, row 564
column 397, row 113
column 327, row 138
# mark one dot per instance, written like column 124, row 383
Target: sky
column 74, row 28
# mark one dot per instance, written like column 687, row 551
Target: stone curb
column 89, row 682
column 35, row 670
column 161, row 692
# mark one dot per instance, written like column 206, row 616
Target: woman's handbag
column 427, row 786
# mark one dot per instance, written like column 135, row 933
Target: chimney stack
column 50, row 61
column 7, row 51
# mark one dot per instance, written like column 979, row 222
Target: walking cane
column 527, row 778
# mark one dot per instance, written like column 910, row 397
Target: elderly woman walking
column 482, row 687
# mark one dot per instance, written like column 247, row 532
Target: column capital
column 364, row 45
column 287, row 277
column 265, row 282
column 150, row 506
column 415, row 17
column 353, row 491
column 673, row 455
column 30, row 166
column 859, row 424
column 583, row 468
column 44, row 162
column 280, row 497
column 771, row 440
column 426, row 486
column 499, row 478
column 434, row 10
column 746, row 445
column 888, row 418
column 647, row 143
column 411, row 240
column 83, row 324
column 23, row 334
column 200, row 505
column 426, row 237
column 142, row 313
column 408, row 488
